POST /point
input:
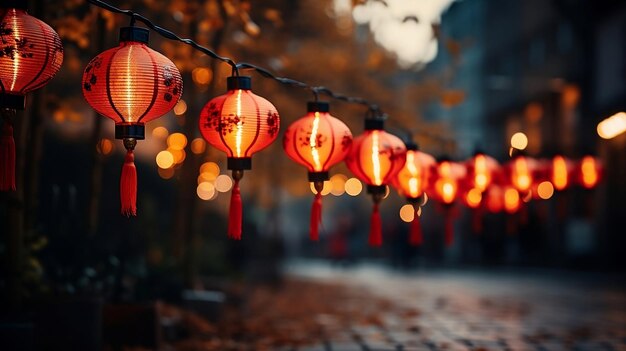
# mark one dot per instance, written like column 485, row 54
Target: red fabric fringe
column 415, row 236
column 316, row 217
column 235, row 216
column 376, row 228
column 128, row 185
column 7, row 158
column 449, row 229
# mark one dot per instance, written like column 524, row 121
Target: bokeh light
column 105, row 146
column 177, row 141
column 206, row 177
column 338, row 182
column 165, row 159
column 198, row 146
column 179, row 155
column 167, row 173
column 519, row 141
column 180, row 108
column 473, row 198
column 545, row 190
column 353, row 187
column 612, row 126
column 201, row 75
column 210, row 167
column 160, row 132
column 325, row 190
column 223, row 183
column 205, row 191
column 407, row 213
column 511, row 200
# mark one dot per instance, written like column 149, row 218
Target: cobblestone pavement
column 480, row 311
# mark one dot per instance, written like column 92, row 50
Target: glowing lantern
column 481, row 170
column 131, row 84
column 561, row 169
column 521, row 174
column 589, row 172
column 31, row 53
column 317, row 141
column 495, row 199
column 375, row 158
column 511, row 200
column 446, row 186
column 239, row 123
column 411, row 182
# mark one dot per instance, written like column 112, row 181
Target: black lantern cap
column 130, row 130
column 12, row 101
column 374, row 124
column 239, row 82
column 376, row 189
column 318, row 176
column 411, row 145
column 14, row 4
column 138, row 34
column 239, row 163
column 317, row 106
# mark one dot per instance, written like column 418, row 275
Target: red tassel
column 477, row 221
column 235, row 216
column 415, row 237
column 376, row 228
column 128, row 185
column 449, row 229
column 7, row 158
column 316, row 217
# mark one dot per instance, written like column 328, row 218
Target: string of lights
column 375, row 110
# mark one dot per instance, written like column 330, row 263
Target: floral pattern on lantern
column 375, row 158
column 239, row 123
column 31, row 54
column 131, row 84
column 317, row 141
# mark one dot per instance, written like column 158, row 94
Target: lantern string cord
column 165, row 33
column 373, row 109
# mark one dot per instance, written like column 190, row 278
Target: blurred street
column 472, row 310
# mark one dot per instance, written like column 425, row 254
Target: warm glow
column 338, row 182
column 206, row 177
column 210, row 167
column 325, row 190
column 160, row 132
column 353, row 187
column 446, row 186
column 494, row 199
column 105, row 146
column 521, row 175
column 375, row 159
column 545, row 190
column 166, row 173
column 198, row 146
column 177, row 141
column 473, row 198
column 16, row 60
column 165, row 159
column 239, row 134
column 205, row 191
column 201, row 75
column 223, row 183
column 414, row 181
column 559, row 173
column 519, row 141
column 511, row 200
column 612, row 126
column 179, row 155
column 180, row 108
column 589, row 172
column 407, row 213
column 317, row 165
column 482, row 176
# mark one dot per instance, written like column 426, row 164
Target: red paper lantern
column 589, row 172
column 131, row 84
column 412, row 182
column 239, row 123
column 445, row 189
column 375, row 158
column 318, row 141
column 31, row 53
column 481, row 170
column 521, row 171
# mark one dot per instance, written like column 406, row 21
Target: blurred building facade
column 552, row 70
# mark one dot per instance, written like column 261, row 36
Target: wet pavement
column 473, row 309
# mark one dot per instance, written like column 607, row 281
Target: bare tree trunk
column 187, row 200
column 96, row 156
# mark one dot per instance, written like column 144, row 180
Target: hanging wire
column 373, row 110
